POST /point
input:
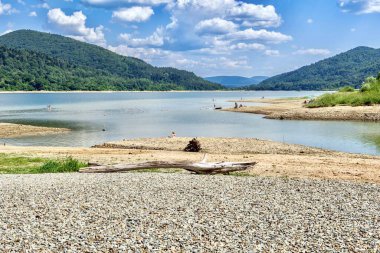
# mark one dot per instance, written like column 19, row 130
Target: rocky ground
column 158, row 212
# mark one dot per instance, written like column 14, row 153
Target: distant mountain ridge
column 79, row 65
column 348, row 68
column 236, row 81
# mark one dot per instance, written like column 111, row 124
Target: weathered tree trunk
column 199, row 168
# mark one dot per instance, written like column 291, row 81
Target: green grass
column 369, row 94
column 27, row 165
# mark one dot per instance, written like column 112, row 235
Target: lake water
column 155, row 114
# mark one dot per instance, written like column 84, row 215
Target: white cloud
column 256, row 15
column 309, row 21
column 146, row 54
column 215, row 26
column 133, row 14
column 156, row 39
column 353, row 29
column 250, row 46
column 42, row 6
column 360, row 6
column 215, row 6
column 5, row 32
column 272, row 52
column 262, row 34
column 75, row 26
column 313, row 51
column 33, row 14
column 125, row 2
column 5, row 8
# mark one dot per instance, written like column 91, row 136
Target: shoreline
column 110, row 91
column 293, row 109
column 275, row 159
column 10, row 130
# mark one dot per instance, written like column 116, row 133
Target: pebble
column 163, row 212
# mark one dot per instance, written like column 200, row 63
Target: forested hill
column 236, row 81
column 349, row 68
column 60, row 63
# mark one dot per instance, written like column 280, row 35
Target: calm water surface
column 156, row 114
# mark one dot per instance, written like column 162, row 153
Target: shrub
column 347, row 89
column 193, row 146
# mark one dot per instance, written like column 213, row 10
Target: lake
column 155, row 114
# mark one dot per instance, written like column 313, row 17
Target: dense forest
column 349, row 68
column 236, row 81
column 31, row 60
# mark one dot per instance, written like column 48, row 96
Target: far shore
column 294, row 109
column 9, row 130
column 274, row 159
column 114, row 91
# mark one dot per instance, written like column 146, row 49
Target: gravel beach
column 160, row 212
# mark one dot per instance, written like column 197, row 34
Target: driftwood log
column 202, row 167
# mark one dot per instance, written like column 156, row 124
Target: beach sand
column 8, row 130
column 293, row 109
column 274, row 159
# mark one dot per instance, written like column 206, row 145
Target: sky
column 208, row 37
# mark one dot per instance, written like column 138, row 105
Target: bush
column 347, row 89
column 193, row 146
column 369, row 95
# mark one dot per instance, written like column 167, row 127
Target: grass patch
column 347, row 89
column 28, row 165
column 368, row 95
column 242, row 174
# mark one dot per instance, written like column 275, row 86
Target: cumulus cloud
column 255, row 15
column 155, row 40
column 270, row 52
column 5, row 32
column 249, row 46
column 215, row 26
column 75, row 26
column 360, row 6
column 313, row 51
column 262, row 34
column 5, row 8
column 32, row 14
column 42, row 6
column 112, row 3
column 133, row 14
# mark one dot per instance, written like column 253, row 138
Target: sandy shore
column 8, row 130
column 274, row 159
column 293, row 109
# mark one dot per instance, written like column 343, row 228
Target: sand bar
column 9, row 130
column 274, row 159
column 293, row 109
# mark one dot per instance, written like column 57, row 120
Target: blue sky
column 208, row 37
